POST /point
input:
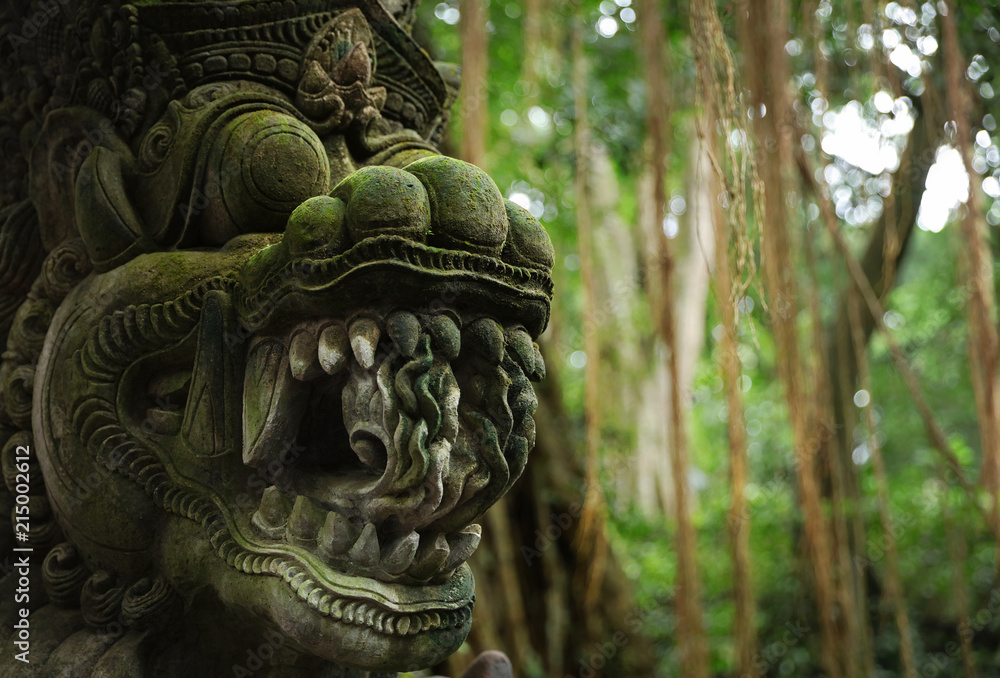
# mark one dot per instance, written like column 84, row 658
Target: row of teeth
column 360, row 613
column 334, row 538
column 326, row 346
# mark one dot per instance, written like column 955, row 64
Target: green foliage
column 531, row 156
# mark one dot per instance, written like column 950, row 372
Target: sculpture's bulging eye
column 264, row 165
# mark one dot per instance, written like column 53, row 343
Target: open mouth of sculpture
column 382, row 414
column 377, row 438
column 353, row 423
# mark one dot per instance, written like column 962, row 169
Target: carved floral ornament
column 270, row 352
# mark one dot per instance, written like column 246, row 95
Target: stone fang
column 364, row 340
column 399, row 555
column 463, row 545
column 302, row 356
column 333, row 349
column 365, row 551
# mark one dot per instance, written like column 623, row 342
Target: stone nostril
column 384, row 201
column 317, row 224
column 467, row 208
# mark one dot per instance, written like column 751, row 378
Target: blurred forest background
column 769, row 439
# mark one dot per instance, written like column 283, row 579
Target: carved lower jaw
column 379, row 639
column 355, row 620
column 355, row 601
column 350, row 620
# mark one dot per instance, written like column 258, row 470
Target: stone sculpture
column 267, row 352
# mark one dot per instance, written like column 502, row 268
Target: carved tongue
column 274, row 402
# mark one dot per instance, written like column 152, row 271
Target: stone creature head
column 276, row 358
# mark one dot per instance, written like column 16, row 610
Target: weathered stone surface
column 268, row 353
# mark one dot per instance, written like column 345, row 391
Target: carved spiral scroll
column 64, row 575
column 101, row 599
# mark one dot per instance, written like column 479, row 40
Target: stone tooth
column 302, row 356
column 315, row 598
column 359, row 613
column 365, row 551
column 431, row 556
column 333, row 348
column 272, row 514
column 305, row 520
column 399, row 554
column 337, row 609
column 521, row 347
column 486, row 336
column 432, row 620
column 404, row 330
column 337, row 534
column 348, row 616
column 446, row 335
column 274, row 403
column 463, row 545
column 403, row 625
column 539, row 365
column 415, row 625
column 364, row 340
column 306, row 588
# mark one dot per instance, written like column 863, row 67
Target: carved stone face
column 286, row 393
column 334, row 405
